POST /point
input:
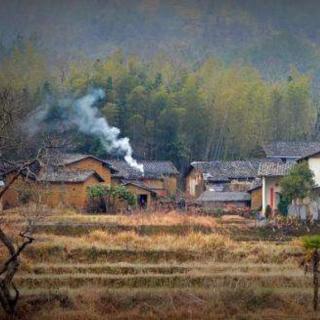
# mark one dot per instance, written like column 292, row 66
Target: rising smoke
column 83, row 114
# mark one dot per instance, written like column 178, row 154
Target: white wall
column 314, row 165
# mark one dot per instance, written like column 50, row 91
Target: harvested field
column 161, row 266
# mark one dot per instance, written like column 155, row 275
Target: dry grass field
column 161, row 266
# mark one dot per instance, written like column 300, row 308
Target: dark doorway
column 143, row 201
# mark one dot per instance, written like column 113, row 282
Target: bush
column 104, row 198
column 268, row 211
column 283, row 205
column 311, row 242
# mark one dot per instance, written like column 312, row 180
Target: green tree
column 299, row 183
column 110, row 195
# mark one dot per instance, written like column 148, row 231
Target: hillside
column 273, row 33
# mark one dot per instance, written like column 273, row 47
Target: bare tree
column 11, row 110
column 10, row 107
column 9, row 294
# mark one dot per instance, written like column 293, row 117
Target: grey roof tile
column 57, row 158
column 138, row 184
column 228, row 170
column 213, row 196
column 292, row 149
column 67, row 176
column 256, row 184
column 152, row 169
column 275, row 169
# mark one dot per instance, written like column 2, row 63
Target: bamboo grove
column 169, row 108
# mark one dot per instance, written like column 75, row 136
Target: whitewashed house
column 283, row 156
column 313, row 160
column 271, row 173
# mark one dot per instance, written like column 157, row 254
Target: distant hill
column 271, row 35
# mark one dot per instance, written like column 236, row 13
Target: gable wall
column 116, row 181
column 154, row 183
column 170, row 184
column 52, row 194
column 139, row 191
column 194, row 183
column 256, row 199
column 72, row 195
column 93, row 164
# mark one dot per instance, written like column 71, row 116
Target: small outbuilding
column 212, row 199
column 145, row 195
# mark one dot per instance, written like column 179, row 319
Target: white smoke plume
column 88, row 120
column 83, row 114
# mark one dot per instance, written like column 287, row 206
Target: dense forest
column 180, row 112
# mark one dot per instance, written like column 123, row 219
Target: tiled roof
column 256, row 184
column 275, row 169
column 152, row 169
column 138, row 184
column 309, row 155
column 56, row 158
column 294, row 150
column 213, row 196
column 228, row 170
column 68, row 176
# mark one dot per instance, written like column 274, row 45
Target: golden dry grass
column 174, row 273
column 137, row 219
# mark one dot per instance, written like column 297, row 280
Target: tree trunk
column 9, row 294
column 315, row 265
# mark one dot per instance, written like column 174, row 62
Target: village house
column 159, row 179
column 313, row 160
column 271, row 173
column 61, row 182
column 282, row 157
column 220, row 176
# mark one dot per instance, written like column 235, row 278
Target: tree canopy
column 299, row 183
column 179, row 112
